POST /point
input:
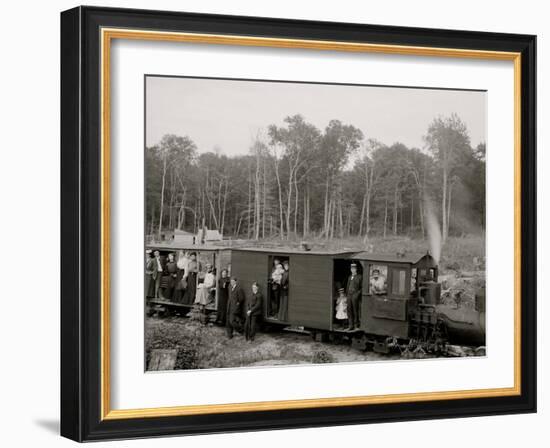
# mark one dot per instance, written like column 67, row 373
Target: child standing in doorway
column 342, row 308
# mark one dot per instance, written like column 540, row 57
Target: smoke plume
column 433, row 228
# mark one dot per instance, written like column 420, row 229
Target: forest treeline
column 297, row 181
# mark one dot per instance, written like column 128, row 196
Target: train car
column 218, row 256
column 311, row 282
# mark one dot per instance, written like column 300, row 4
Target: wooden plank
column 162, row 359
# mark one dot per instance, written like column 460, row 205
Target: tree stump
column 162, row 359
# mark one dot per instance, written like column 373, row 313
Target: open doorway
column 341, row 303
column 278, row 290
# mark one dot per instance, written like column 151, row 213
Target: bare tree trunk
column 296, row 207
column 367, row 224
column 362, row 218
column 444, row 205
column 449, row 208
column 288, row 204
column 249, row 203
column 326, row 218
column 162, row 193
column 280, row 198
column 395, row 210
column 224, row 207
column 412, row 213
column 264, row 199
column 385, row 215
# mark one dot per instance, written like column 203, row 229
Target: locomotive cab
column 392, row 284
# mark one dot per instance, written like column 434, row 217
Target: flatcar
column 218, row 256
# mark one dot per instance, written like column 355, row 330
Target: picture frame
column 86, row 37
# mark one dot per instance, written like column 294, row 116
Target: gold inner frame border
column 107, row 36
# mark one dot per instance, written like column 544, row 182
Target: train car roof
column 290, row 251
column 410, row 258
column 190, row 247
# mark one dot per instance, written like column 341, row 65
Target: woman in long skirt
column 192, row 269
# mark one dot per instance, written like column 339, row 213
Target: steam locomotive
column 408, row 316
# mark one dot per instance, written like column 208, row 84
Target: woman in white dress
column 203, row 291
column 342, row 307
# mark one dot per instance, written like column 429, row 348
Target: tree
column 338, row 142
column 299, row 141
column 447, row 139
column 173, row 150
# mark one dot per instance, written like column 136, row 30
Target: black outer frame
column 81, row 223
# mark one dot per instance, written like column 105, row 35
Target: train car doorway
column 278, row 288
column 341, row 274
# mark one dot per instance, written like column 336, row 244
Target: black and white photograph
column 293, row 223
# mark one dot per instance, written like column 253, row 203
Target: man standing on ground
column 235, row 306
column 253, row 312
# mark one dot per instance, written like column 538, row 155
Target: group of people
column 348, row 301
column 185, row 281
column 239, row 312
column 182, row 281
column 279, row 282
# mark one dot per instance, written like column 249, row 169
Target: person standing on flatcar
column 170, row 271
column 354, row 288
column 235, row 306
column 159, row 268
column 223, row 292
column 150, row 274
column 181, row 280
column 283, row 298
column 205, row 288
column 191, row 274
column 254, row 307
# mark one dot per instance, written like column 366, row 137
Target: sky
column 225, row 115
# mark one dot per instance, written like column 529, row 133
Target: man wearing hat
column 377, row 283
column 354, row 287
column 235, row 306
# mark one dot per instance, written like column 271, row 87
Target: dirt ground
column 207, row 346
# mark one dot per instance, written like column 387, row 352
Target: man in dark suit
column 157, row 273
column 354, row 288
column 254, row 307
column 235, row 305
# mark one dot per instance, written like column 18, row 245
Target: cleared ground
column 204, row 347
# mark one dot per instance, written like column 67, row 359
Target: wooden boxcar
column 312, row 283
